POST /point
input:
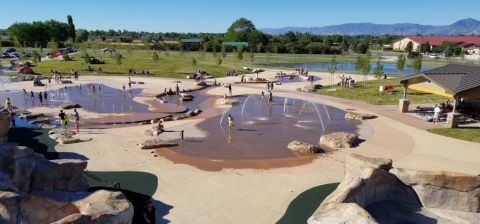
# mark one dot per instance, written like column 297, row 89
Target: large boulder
column 60, row 175
column 202, row 83
column 57, row 133
column 67, row 106
column 355, row 164
column 41, row 120
column 10, row 206
column 443, row 190
column 31, row 116
column 350, row 213
column 64, row 141
column 18, row 163
column 303, row 147
column 156, row 143
column 4, row 126
column 358, row 116
column 338, row 140
column 43, row 207
column 6, row 183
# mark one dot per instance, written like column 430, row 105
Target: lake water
column 347, row 66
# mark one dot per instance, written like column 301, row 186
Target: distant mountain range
column 465, row 26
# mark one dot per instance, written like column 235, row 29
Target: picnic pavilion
column 454, row 80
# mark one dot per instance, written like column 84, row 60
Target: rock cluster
column 358, row 116
column 202, row 83
column 303, row 147
column 31, row 116
column 311, row 88
column 63, row 136
column 382, row 194
column 36, row 190
column 4, row 126
column 338, row 140
column 67, row 106
column 156, row 143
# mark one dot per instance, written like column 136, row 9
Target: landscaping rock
column 59, row 175
column 167, row 119
column 156, row 143
column 64, row 141
column 358, row 116
column 443, row 190
column 4, row 127
column 81, row 207
column 140, row 82
column 197, row 111
column 303, row 147
column 31, row 116
column 41, row 120
column 186, row 95
column 190, row 114
column 10, row 206
column 355, row 164
column 6, row 183
column 202, row 83
column 186, row 99
column 57, row 133
column 338, row 140
column 68, row 106
column 231, row 102
column 47, row 126
column 308, row 88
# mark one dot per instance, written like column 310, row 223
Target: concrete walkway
column 262, row 196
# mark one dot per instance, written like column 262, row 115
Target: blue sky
column 218, row 15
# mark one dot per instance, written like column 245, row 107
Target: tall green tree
column 378, row 71
column 401, row 63
column 239, row 30
column 366, row 67
column 86, row 58
column 239, row 53
column 71, row 28
column 409, row 47
column 359, row 64
column 65, row 55
column 34, row 57
column 52, row 47
column 251, row 56
column 118, row 60
column 155, row 58
column 224, row 52
column 332, row 68
column 417, row 64
column 40, row 49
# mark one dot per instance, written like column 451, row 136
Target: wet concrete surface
column 261, row 133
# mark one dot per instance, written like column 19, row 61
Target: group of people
column 64, row 120
column 171, row 92
column 231, row 73
column 40, row 95
column 199, row 76
column 134, row 72
column 346, row 82
column 74, row 74
column 303, row 72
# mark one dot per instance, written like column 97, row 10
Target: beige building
column 462, row 41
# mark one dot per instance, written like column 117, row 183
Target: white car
column 434, row 56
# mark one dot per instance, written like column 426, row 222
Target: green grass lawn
column 174, row 65
column 371, row 93
column 467, row 134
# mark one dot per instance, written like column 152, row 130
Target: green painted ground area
column 303, row 206
column 36, row 139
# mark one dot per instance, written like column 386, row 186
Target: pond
column 388, row 68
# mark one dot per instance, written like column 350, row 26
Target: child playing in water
column 230, row 122
column 263, row 95
column 123, row 87
column 181, row 135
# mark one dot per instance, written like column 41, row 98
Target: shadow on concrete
column 305, row 204
column 138, row 187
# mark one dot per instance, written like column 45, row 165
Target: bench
column 424, row 110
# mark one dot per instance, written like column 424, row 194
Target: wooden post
column 405, row 87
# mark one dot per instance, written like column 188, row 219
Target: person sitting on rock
column 160, row 126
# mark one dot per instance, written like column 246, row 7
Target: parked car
column 11, row 50
column 15, row 55
column 6, row 55
column 68, row 50
column 434, row 56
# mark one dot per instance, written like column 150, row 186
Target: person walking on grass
column 77, row 120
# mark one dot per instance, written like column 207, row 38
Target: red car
column 57, row 54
